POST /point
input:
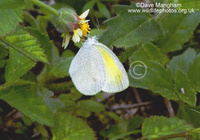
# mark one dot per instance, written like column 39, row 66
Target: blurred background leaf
column 155, row 127
column 129, row 29
column 178, row 29
column 11, row 13
column 17, row 66
column 69, row 127
column 26, row 101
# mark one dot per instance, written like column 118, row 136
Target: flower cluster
column 80, row 30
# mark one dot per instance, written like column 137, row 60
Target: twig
column 11, row 113
column 169, row 107
column 137, row 96
column 117, row 107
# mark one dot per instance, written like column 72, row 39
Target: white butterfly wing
column 87, row 70
column 116, row 76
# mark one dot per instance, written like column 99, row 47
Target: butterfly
column 96, row 68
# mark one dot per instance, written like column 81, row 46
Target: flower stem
column 50, row 9
column 177, row 135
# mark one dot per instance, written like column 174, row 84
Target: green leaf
column 155, row 127
column 113, row 116
column 61, row 69
column 88, row 5
column 127, row 53
column 128, row 29
column 11, row 4
column 184, row 89
column 27, row 121
column 26, row 44
column 43, row 22
column 96, row 32
column 148, row 74
column 2, row 63
column 158, row 1
column 3, row 54
column 178, row 29
column 82, row 113
column 53, row 103
column 69, row 105
column 73, row 96
column 188, row 4
column 182, row 61
column 103, row 9
column 31, row 20
column 44, row 41
column 17, row 66
column 121, row 136
column 194, row 74
column 26, row 101
column 28, row 4
column 11, row 13
column 190, row 114
column 56, row 56
column 18, row 82
column 134, row 123
column 195, row 134
column 67, row 54
column 75, row 4
column 154, row 53
column 68, row 127
column 90, row 105
column 114, row 130
column 42, row 130
column 29, row 76
column 61, row 64
column 111, row 132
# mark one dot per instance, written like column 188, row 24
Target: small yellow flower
column 85, row 29
column 81, row 29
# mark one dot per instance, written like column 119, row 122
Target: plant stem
column 177, row 135
column 59, row 86
column 139, row 100
column 50, row 9
column 130, row 106
column 169, row 107
column 126, row 134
